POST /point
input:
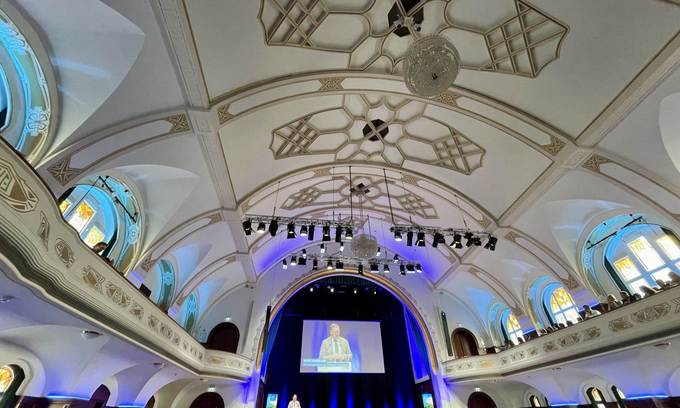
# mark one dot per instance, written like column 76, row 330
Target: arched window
column 464, row 343
column 190, row 313
column 534, row 402
column 224, row 337
column 480, row 400
column 11, row 377
column 166, row 284
column 620, row 396
column 511, row 328
column 100, row 396
column 595, row 398
column 559, row 304
column 25, row 108
column 104, row 210
column 639, row 254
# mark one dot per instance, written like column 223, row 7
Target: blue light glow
column 66, row 397
column 645, row 396
column 563, row 404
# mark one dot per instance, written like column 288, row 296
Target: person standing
column 294, row 403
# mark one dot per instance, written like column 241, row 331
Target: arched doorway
column 480, row 400
column 223, row 337
column 208, row 400
column 100, row 396
column 464, row 343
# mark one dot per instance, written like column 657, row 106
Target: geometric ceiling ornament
column 380, row 129
column 521, row 42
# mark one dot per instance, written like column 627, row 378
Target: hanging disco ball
column 364, row 246
column 432, row 64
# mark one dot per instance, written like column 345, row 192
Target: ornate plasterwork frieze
column 594, row 161
column 378, row 129
column 44, row 231
column 555, row 146
column 331, row 84
column 522, row 43
column 223, row 114
column 62, row 170
column 14, row 190
column 179, row 122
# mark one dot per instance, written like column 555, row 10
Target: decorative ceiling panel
column 381, row 129
column 521, row 42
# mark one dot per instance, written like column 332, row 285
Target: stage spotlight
column 360, row 269
column 419, row 268
column 397, row 235
column 377, row 253
column 303, row 231
column 284, row 264
column 291, row 230
column 386, row 268
column 315, row 265
column 477, row 241
column 349, row 234
column 273, row 227
column 402, row 270
column 261, row 228
column 468, row 239
column 355, row 291
column 338, row 234
column 322, row 249
column 329, row 266
column 437, row 239
column 342, row 246
column 410, row 268
column 326, row 233
column 409, row 238
column 310, row 234
column 456, row 241
column 395, row 259
column 374, row 268
column 491, row 245
column 339, row 266
column 304, row 253
column 420, row 239
column 302, row 261
column 311, row 288
column 247, row 227
column 331, row 289
column 375, row 291
column 293, row 261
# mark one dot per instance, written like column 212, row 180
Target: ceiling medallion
column 432, row 64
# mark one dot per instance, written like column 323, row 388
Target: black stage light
column 273, row 227
column 302, row 261
column 386, row 268
column 338, row 234
column 377, row 253
column 397, row 235
column 456, row 241
column 374, row 268
column 329, row 265
column 291, row 230
column 261, row 228
column 410, row 268
column 247, row 227
column 284, row 264
column 360, row 269
column 468, row 239
column 402, row 270
column 395, row 259
column 419, row 268
column 477, row 241
column 293, row 261
column 326, row 233
column 315, row 265
column 420, row 240
column 304, row 253
column 349, row 234
column 355, row 290
column 342, row 246
column 409, row 238
column 310, row 234
column 339, row 266
column 491, row 245
column 322, row 249
column 437, row 239
column 303, row 231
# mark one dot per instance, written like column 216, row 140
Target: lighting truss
column 439, row 236
column 340, row 263
column 305, row 226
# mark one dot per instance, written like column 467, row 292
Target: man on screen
column 334, row 347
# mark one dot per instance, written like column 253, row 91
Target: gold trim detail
column 555, row 146
column 223, row 115
column 63, row 172
column 593, row 163
column 64, row 252
column 331, row 84
column 179, row 122
column 44, row 230
column 447, row 98
column 14, row 190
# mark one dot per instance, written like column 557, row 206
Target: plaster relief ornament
column 504, row 36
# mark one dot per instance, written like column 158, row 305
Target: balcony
column 50, row 257
column 649, row 319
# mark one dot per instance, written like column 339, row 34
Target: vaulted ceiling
column 216, row 109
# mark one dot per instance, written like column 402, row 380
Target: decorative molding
column 447, row 98
column 117, row 295
column 179, row 122
column 93, row 278
column 331, row 84
column 64, row 252
column 44, row 230
column 14, row 190
column 594, row 161
column 622, row 323
column 555, row 146
column 223, row 115
column 651, row 313
column 512, row 45
column 63, row 172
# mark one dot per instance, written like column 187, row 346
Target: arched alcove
column 464, row 343
column 208, row 400
column 100, row 396
column 479, row 399
column 224, row 337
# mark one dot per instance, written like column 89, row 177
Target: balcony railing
column 651, row 318
column 49, row 254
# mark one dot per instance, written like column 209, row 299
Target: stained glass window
column 166, row 284
column 94, row 236
column 562, row 306
column 190, row 312
column 643, row 253
column 6, row 378
column 512, row 328
column 81, row 216
column 64, row 206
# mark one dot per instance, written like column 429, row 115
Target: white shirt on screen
column 294, row 404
